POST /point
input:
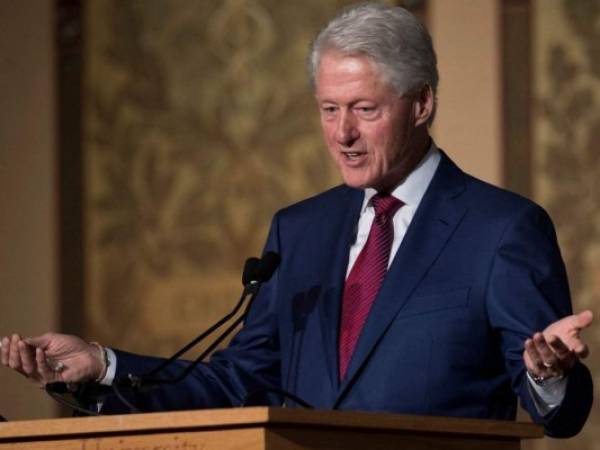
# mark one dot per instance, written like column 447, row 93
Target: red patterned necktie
column 366, row 276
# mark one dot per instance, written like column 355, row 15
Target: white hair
column 391, row 37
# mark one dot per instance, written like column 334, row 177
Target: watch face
column 541, row 381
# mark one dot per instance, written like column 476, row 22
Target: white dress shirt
column 410, row 192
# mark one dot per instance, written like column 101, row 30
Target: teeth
column 352, row 155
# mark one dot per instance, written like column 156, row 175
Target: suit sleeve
column 527, row 291
column 251, row 363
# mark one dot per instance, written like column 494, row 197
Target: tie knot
column 385, row 205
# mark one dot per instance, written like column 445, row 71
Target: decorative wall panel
column 566, row 171
column 198, row 125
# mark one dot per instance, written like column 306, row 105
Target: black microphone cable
column 58, row 392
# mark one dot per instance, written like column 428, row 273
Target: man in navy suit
column 413, row 288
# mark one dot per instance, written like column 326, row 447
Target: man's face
column 367, row 126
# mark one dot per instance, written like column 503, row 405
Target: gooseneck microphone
column 256, row 272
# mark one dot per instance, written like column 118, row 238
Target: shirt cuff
column 548, row 396
column 111, row 370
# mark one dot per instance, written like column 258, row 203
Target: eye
column 329, row 109
column 366, row 111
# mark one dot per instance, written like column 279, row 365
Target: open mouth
column 353, row 155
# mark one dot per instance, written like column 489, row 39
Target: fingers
column 559, row 348
column 14, row 359
column 568, row 330
column 582, row 351
column 533, row 361
column 562, row 350
column 16, row 355
column 51, row 357
column 4, row 350
column 27, row 358
column 545, row 352
column 584, row 319
column 47, row 375
column 565, row 358
column 40, row 341
column 548, row 358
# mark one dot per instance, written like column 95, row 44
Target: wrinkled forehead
column 330, row 54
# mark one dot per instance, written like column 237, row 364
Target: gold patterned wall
column 199, row 124
column 566, row 171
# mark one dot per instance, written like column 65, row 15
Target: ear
column 423, row 105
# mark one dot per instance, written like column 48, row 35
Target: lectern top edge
column 264, row 417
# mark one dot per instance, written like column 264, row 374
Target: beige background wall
column 28, row 264
column 466, row 36
column 566, row 169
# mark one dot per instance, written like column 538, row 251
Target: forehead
column 340, row 73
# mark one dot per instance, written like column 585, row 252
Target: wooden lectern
column 265, row 428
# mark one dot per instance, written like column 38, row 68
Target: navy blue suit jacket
column 478, row 272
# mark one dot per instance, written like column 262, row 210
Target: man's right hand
column 53, row 357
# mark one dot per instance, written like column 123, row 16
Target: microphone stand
column 148, row 379
column 249, row 288
column 255, row 273
column 252, row 277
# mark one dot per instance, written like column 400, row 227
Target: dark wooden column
column 69, row 68
column 517, row 95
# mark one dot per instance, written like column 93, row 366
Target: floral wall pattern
column 566, row 175
column 198, row 125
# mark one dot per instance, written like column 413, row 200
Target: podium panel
column 265, row 428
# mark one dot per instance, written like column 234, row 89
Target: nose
column 347, row 132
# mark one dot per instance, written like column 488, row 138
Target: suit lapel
column 433, row 224
column 341, row 222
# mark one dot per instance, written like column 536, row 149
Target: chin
column 356, row 184
column 356, row 180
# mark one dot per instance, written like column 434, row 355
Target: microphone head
column 267, row 266
column 250, row 268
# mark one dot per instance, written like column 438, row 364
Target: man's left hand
column 553, row 352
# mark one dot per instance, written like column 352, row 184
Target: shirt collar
column 413, row 187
